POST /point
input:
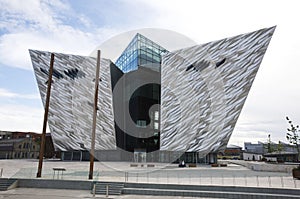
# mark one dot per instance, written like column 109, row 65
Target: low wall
column 55, row 184
column 262, row 166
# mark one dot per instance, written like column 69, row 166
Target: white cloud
column 39, row 25
column 20, row 118
column 29, row 14
column 4, row 93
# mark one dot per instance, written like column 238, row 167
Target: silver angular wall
column 71, row 101
column 203, row 90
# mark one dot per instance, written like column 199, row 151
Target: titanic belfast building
column 154, row 105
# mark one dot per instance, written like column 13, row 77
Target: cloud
column 4, row 93
column 43, row 25
column 20, row 118
column 33, row 14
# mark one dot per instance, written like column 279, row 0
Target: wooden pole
column 92, row 152
column 43, row 141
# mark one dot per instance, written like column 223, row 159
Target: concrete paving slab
column 33, row 193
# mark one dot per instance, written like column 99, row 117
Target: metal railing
column 204, row 179
column 68, row 174
column 175, row 176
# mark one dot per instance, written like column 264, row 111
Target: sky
column 78, row 26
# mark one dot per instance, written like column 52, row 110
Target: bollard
column 295, row 184
column 269, row 180
column 257, row 182
column 211, row 179
column 1, row 172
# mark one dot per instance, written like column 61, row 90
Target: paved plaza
column 232, row 175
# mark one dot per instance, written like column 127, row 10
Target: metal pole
column 147, row 177
column 106, row 190
column 43, row 141
column 200, row 178
column 94, row 190
column 167, row 177
column 222, row 179
column 233, row 180
column 92, row 153
column 282, row 181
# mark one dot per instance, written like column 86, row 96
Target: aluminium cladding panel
column 72, row 99
column 203, row 90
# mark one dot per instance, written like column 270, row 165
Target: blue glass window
column 141, row 51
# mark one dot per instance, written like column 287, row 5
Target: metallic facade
column 71, row 100
column 203, row 90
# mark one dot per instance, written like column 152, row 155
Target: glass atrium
column 141, row 51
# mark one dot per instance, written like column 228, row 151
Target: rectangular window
column 141, row 123
column 156, row 115
column 155, row 125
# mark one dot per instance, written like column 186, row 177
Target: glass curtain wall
column 141, row 51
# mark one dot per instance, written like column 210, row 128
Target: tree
column 292, row 135
column 280, row 147
column 269, row 147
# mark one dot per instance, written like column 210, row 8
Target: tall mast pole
column 92, row 152
column 43, row 141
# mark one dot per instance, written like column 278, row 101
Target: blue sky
column 79, row 26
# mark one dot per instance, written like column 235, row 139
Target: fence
column 171, row 176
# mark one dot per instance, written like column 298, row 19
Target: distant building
column 280, row 152
column 19, row 145
column 283, row 156
column 231, row 152
column 252, row 156
column 15, row 145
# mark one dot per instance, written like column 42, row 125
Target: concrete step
column 203, row 193
column 113, row 188
column 5, row 183
column 279, row 191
